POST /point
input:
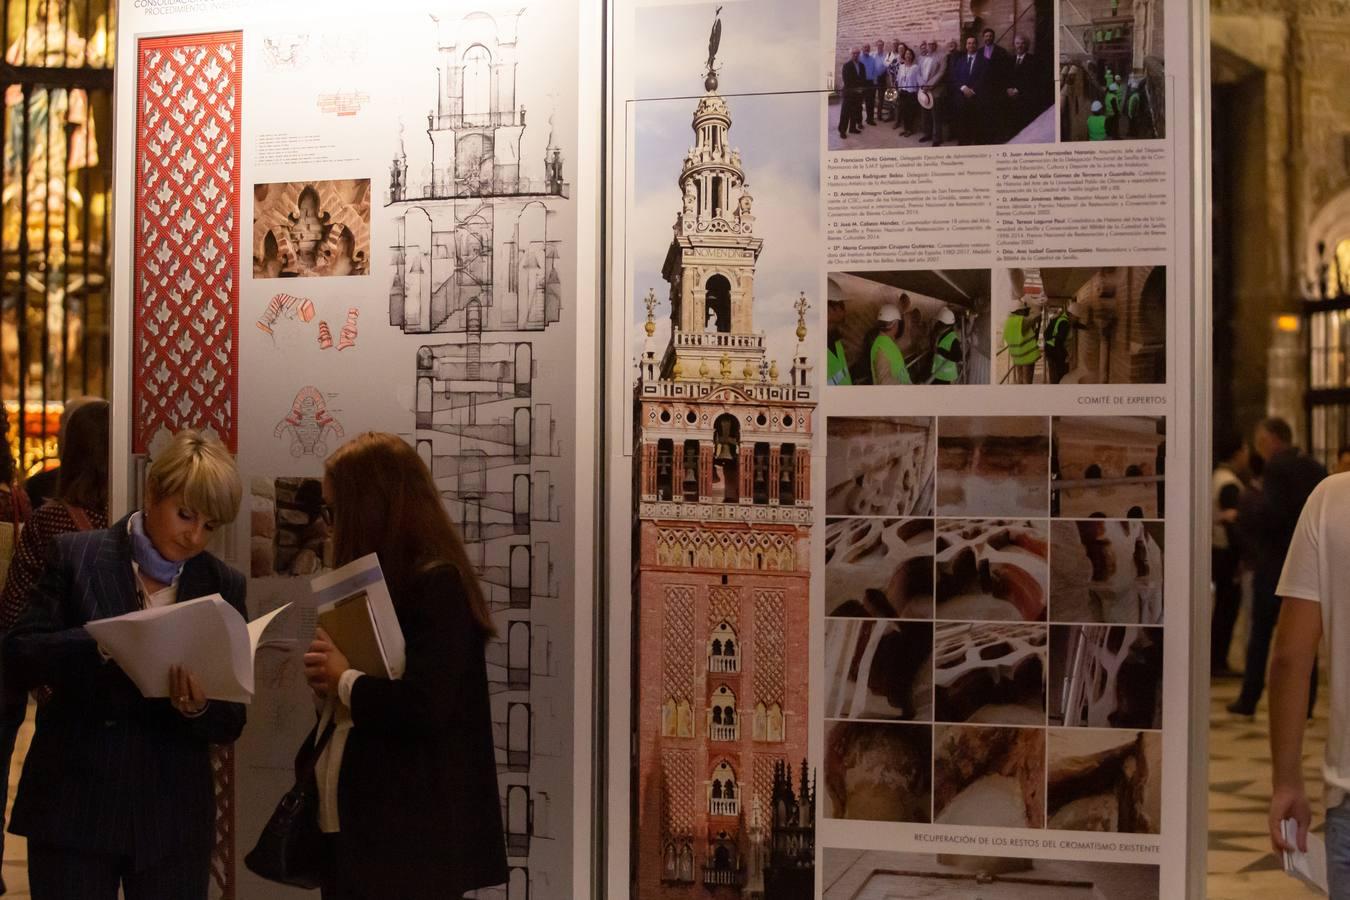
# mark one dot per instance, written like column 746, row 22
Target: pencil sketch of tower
column 722, row 473
column 477, row 270
column 476, row 245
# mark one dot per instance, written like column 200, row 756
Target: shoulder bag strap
column 78, row 516
column 307, row 767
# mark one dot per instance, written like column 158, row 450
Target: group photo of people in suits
column 948, row 81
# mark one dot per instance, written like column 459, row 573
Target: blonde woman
column 116, row 789
column 408, row 798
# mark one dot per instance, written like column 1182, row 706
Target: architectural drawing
column 309, row 423
column 488, row 444
column 286, row 51
column 186, row 315
column 311, row 228
column 721, row 579
column 477, row 234
column 476, row 238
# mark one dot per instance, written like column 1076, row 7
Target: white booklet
column 359, row 587
column 1309, row 868
column 207, row 635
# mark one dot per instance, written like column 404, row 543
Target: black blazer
column 418, row 803
column 110, row 771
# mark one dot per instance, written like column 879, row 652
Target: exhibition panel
column 372, row 220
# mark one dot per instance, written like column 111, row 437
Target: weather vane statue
column 714, row 41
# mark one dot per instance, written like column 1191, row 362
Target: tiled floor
column 1241, row 864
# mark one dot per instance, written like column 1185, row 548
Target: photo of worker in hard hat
column 925, row 327
column 1111, row 75
column 1104, row 325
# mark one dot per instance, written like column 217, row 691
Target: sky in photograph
column 768, row 48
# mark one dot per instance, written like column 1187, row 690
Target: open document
column 206, row 635
column 354, row 607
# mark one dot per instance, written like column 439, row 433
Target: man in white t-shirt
column 1315, row 587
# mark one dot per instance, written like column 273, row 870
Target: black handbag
column 290, row 848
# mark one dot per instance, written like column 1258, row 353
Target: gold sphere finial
column 650, row 302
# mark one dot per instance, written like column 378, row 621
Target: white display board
column 957, row 560
column 377, row 219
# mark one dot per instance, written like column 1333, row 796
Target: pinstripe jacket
column 110, row 771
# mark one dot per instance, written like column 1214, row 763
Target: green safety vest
column 1052, row 332
column 1096, row 128
column 1021, row 342
column 893, row 357
column 1132, row 105
column 944, row 368
column 836, row 365
column 1112, row 103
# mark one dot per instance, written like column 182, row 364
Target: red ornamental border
column 186, row 265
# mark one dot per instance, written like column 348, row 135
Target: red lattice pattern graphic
column 222, row 850
column 186, row 331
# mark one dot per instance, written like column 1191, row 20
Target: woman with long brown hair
column 408, row 799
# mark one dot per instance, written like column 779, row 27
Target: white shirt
column 927, row 66
column 1318, row 569
column 329, row 765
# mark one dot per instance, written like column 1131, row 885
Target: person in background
column 1057, row 336
column 947, row 356
column 836, row 360
column 1226, row 489
column 1343, row 459
column 890, row 63
column 408, row 798
column 81, row 504
column 1023, row 88
column 909, row 80
column 1021, row 334
column 853, row 76
column 888, row 363
column 874, row 70
column 1267, row 520
column 1096, row 122
column 933, row 70
column 968, row 82
column 117, row 789
column 42, row 486
column 1315, row 587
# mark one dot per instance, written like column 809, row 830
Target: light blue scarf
column 147, row 557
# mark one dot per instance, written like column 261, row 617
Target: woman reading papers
column 408, row 781
column 116, row 789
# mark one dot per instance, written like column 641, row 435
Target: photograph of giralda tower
column 725, row 802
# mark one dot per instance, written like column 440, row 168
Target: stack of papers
column 355, row 609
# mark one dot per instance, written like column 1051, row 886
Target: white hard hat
column 1096, row 106
column 945, row 316
column 889, row 312
column 1075, row 309
column 833, row 292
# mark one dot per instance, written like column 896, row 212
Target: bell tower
column 721, row 555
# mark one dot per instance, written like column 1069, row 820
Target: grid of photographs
column 994, row 621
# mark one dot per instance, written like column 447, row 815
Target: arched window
column 718, row 290
column 520, row 576
column 723, row 726
column 518, row 737
column 760, row 482
column 723, row 655
column 726, row 458
column 690, row 477
column 665, row 462
column 722, row 796
column 787, row 475
column 518, row 656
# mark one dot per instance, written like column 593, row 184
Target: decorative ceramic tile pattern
column 186, row 328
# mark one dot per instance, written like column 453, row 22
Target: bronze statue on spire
column 714, row 41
